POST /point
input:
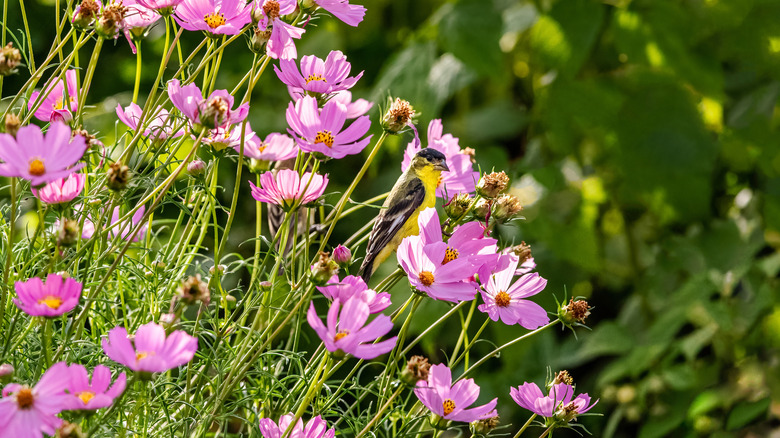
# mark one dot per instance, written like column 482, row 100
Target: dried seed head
column 90, row 139
column 259, row 40
column 192, row 290
column 563, row 376
column 506, row 208
column 575, row 311
column 110, row 22
column 84, row 14
column 522, row 251
column 470, row 152
column 398, row 116
column 9, row 60
column 214, row 113
column 458, row 205
column 484, row 426
column 417, row 369
column 118, row 176
column 492, row 184
column 324, row 269
column 12, row 124
column 68, row 232
column 69, row 430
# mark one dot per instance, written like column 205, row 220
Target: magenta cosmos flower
column 430, row 272
column 229, row 136
column 317, row 76
column 95, row 394
column 450, row 401
column 315, row 428
column 275, row 147
column 164, row 7
column 352, row 286
column 557, row 403
column 354, row 109
column 214, row 112
column 30, row 412
column 287, row 189
column 138, row 18
column 60, row 100
column 506, row 301
column 217, row 17
column 158, row 128
column 280, row 35
column 467, row 241
column 61, row 190
column 347, row 332
column 38, row 158
column 55, row 297
column 150, row 350
column 461, row 178
column 322, row 132
column 341, row 9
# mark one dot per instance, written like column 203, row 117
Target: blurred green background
column 642, row 137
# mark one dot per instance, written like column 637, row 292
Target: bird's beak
column 441, row 166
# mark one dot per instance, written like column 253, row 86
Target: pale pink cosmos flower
column 138, row 18
column 280, row 43
column 217, row 17
column 317, row 76
column 61, row 190
column 229, row 136
column 161, row 6
column 506, row 301
column 55, row 297
column 95, row 394
column 557, row 403
column 275, row 147
column 462, row 177
column 158, row 129
column 324, row 131
column 315, row 428
column 41, row 159
column 214, row 112
column 288, row 189
column 424, row 265
column 60, row 100
column 354, row 109
column 468, row 240
column 150, row 350
column 449, row 401
column 352, row 286
column 30, row 412
column 341, row 9
column 347, row 332
column 125, row 230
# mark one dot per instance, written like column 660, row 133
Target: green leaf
column 606, row 338
column 470, row 30
column 402, row 77
column 744, row 413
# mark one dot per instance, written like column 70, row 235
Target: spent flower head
column 417, row 368
column 574, row 313
column 212, row 112
column 9, row 59
column 492, row 184
column 12, row 124
column 111, row 20
column 398, row 116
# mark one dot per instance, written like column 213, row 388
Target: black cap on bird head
column 431, row 156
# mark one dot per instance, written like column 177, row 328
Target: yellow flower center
column 426, row 278
column 24, row 398
column 449, row 255
column 86, row 396
column 315, row 78
column 340, row 335
column 36, row 167
column 438, row 183
column 503, row 299
column 262, row 147
column 214, row 19
column 143, row 354
column 60, row 102
column 325, row 137
column 448, row 406
column 51, row 301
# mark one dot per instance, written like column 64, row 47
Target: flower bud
column 192, row 290
column 323, row 270
column 168, row 319
column 342, row 255
column 9, row 60
column 12, row 124
column 196, row 167
column 575, row 311
column 68, row 232
column 259, row 40
column 6, row 372
column 110, row 21
column 417, row 369
column 492, row 184
column 214, row 112
column 458, row 205
column 484, row 426
column 85, row 13
column 69, row 430
column 118, row 176
column 308, row 5
column 398, row 116
column 217, row 270
column 506, row 208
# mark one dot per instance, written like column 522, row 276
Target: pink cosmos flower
column 322, row 132
column 352, row 286
column 280, row 41
column 60, row 100
column 354, row 109
column 287, row 189
column 315, row 428
column 150, row 350
column 158, row 129
column 138, row 18
column 86, row 395
column 56, row 297
column 558, row 403
column 317, row 76
column 347, row 332
column 61, row 190
column 218, row 17
column 505, row 301
column 229, row 136
column 38, row 158
column 275, row 147
column 341, row 9
column 160, row 5
column 430, row 272
column 30, row 412
column 450, row 401
column 468, row 240
column 214, row 112
column 125, row 230
column 461, row 178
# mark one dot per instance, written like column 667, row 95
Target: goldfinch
column 414, row 191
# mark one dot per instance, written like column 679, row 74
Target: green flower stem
column 324, row 370
column 464, row 329
column 380, row 412
column 9, row 254
column 46, row 344
column 501, row 348
column 392, row 364
column 88, row 78
column 27, row 32
column 525, row 426
column 471, row 344
column 2, row 39
column 432, row 326
column 258, row 241
column 138, row 65
column 20, row 339
column 546, row 432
